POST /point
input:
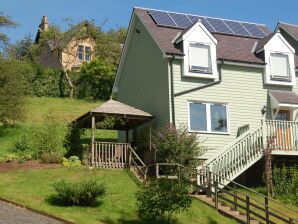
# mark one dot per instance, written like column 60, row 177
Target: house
column 234, row 83
column 75, row 51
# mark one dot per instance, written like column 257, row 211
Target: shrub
column 73, row 161
column 177, row 145
column 161, row 199
column 10, row 157
column 51, row 158
column 286, row 183
column 22, row 144
column 85, row 192
column 48, row 138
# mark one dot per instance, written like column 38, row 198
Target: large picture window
column 280, row 67
column 208, row 117
column 200, row 58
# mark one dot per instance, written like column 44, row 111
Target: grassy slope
column 36, row 111
column 31, row 188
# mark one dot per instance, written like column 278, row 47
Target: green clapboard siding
column 144, row 78
column 242, row 88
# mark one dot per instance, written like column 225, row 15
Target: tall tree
column 5, row 22
column 109, row 45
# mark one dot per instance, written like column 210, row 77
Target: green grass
column 32, row 188
column 62, row 110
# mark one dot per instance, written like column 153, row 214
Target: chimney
column 44, row 25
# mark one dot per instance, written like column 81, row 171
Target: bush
column 51, row 158
column 85, row 192
column 177, row 145
column 22, row 144
column 161, row 199
column 48, row 139
column 73, row 161
column 286, row 183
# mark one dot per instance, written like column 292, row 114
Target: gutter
column 172, row 89
column 204, row 86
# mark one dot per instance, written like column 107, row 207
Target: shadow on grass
column 124, row 220
column 211, row 221
column 53, row 200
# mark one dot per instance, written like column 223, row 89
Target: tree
column 5, row 22
column 65, row 42
column 22, row 49
column 109, row 45
column 12, row 90
column 96, row 79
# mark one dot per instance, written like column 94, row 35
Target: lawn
column 37, row 109
column 33, row 187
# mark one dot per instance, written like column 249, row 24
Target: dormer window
column 84, row 53
column 280, row 66
column 200, row 58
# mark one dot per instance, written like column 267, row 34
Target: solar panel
column 195, row 19
column 237, row 28
column 219, row 26
column 182, row 21
column 254, row 30
column 162, row 18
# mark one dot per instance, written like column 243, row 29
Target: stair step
column 225, row 210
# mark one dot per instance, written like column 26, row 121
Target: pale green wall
column 144, row 78
column 242, row 88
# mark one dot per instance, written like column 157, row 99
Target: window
column 84, row 53
column 208, row 117
column 280, row 66
column 199, row 58
column 80, row 52
column 87, row 53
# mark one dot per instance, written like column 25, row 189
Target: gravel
column 11, row 214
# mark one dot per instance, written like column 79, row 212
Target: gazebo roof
column 116, row 107
column 131, row 115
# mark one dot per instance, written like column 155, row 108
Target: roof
column 290, row 28
column 116, row 107
column 131, row 115
column 285, row 97
column 264, row 41
column 229, row 47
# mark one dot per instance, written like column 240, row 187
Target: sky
column 117, row 13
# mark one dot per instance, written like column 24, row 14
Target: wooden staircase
column 247, row 149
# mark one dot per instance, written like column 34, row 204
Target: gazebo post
column 92, row 138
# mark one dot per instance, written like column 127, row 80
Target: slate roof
column 285, row 97
column 229, row 47
column 291, row 28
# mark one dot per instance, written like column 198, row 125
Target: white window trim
column 187, row 72
column 208, row 117
column 209, row 58
column 84, row 53
column 272, row 77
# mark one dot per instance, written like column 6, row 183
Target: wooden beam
column 92, row 139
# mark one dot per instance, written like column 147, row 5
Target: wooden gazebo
column 109, row 154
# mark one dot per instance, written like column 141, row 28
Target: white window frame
column 208, row 118
column 280, row 78
column 79, row 52
column 84, row 53
column 205, row 70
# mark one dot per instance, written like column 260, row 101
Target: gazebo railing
column 110, row 155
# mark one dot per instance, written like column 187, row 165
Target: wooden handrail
column 212, row 186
